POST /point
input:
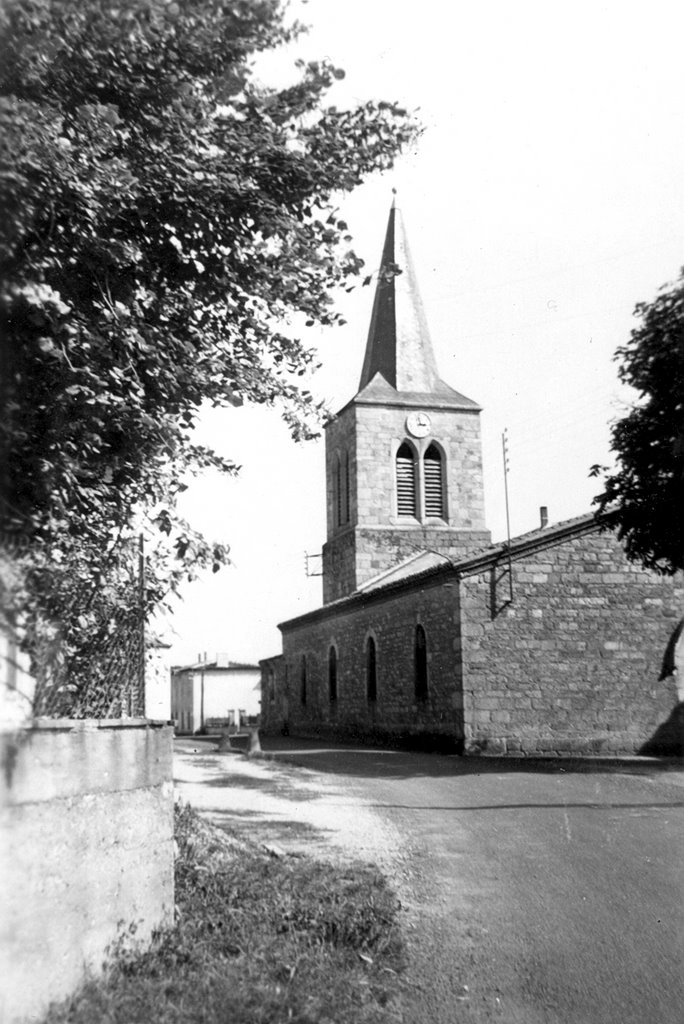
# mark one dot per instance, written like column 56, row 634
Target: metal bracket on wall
column 501, row 586
column 311, row 559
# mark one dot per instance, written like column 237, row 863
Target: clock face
column 418, row 424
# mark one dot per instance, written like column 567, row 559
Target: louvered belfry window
column 406, row 481
column 434, row 486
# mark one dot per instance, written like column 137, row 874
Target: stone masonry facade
column 391, row 621
column 375, row 538
column 572, row 665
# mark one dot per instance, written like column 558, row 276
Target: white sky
column 542, row 202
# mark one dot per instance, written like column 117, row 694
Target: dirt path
column 285, row 806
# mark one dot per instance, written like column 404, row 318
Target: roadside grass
column 258, row 939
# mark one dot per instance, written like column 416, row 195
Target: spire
column 399, row 345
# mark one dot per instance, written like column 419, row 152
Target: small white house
column 214, row 694
column 17, row 685
column 157, row 702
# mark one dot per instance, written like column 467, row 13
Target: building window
column 332, row 674
column 337, row 491
column 371, row 671
column 341, row 489
column 434, row 483
column 406, row 481
column 346, row 504
column 420, row 665
column 303, row 680
column 271, row 685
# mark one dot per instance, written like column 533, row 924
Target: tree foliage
column 165, row 217
column 644, row 497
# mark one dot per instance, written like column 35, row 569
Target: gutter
column 469, row 566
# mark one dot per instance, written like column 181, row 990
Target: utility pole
column 504, row 446
column 141, row 709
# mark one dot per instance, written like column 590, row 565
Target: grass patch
column 258, row 940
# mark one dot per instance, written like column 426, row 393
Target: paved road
column 540, row 893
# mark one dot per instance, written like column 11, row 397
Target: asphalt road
column 542, row 893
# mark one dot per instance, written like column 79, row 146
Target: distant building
column 17, row 685
column 157, row 698
column 214, row 694
column 429, row 633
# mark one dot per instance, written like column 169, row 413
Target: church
column 430, row 635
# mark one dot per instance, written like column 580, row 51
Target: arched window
column 371, row 671
column 332, row 674
column 346, row 503
column 434, row 482
column 337, row 491
column 406, row 481
column 303, row 680
column 420, row 677
column 341, row 489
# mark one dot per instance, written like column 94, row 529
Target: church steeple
column 403, row 463
column 399, row 347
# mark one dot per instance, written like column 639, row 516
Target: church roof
column 379, row 392
column 411, row 566
column 417, row 569
column 399, row 356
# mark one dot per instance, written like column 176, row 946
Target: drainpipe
column 202, row 701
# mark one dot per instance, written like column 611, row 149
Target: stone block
column 87, row 850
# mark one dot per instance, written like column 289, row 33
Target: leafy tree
column 644, row 497
column 165, row 218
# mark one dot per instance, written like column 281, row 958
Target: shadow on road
column 367, row 762
column 563, row 805
column 266, row 829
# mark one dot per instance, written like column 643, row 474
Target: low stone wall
column 86, row 851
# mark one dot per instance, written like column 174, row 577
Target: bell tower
column 403, row 457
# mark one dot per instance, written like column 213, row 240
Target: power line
column 550, row 321
column 572, row 267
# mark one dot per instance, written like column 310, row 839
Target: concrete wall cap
column 83, row 724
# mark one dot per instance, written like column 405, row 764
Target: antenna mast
column 504, row 446
column 317, row 569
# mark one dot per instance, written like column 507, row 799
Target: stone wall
column 339, row 565
column 375, row 539
column 396, row 714
column 274, row 713
column 360, row 553
column 573, row 664
column 340, row 440
column 381, row 429
column 86, row 851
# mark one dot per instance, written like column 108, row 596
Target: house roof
column 419, row 569
column 215, row 666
